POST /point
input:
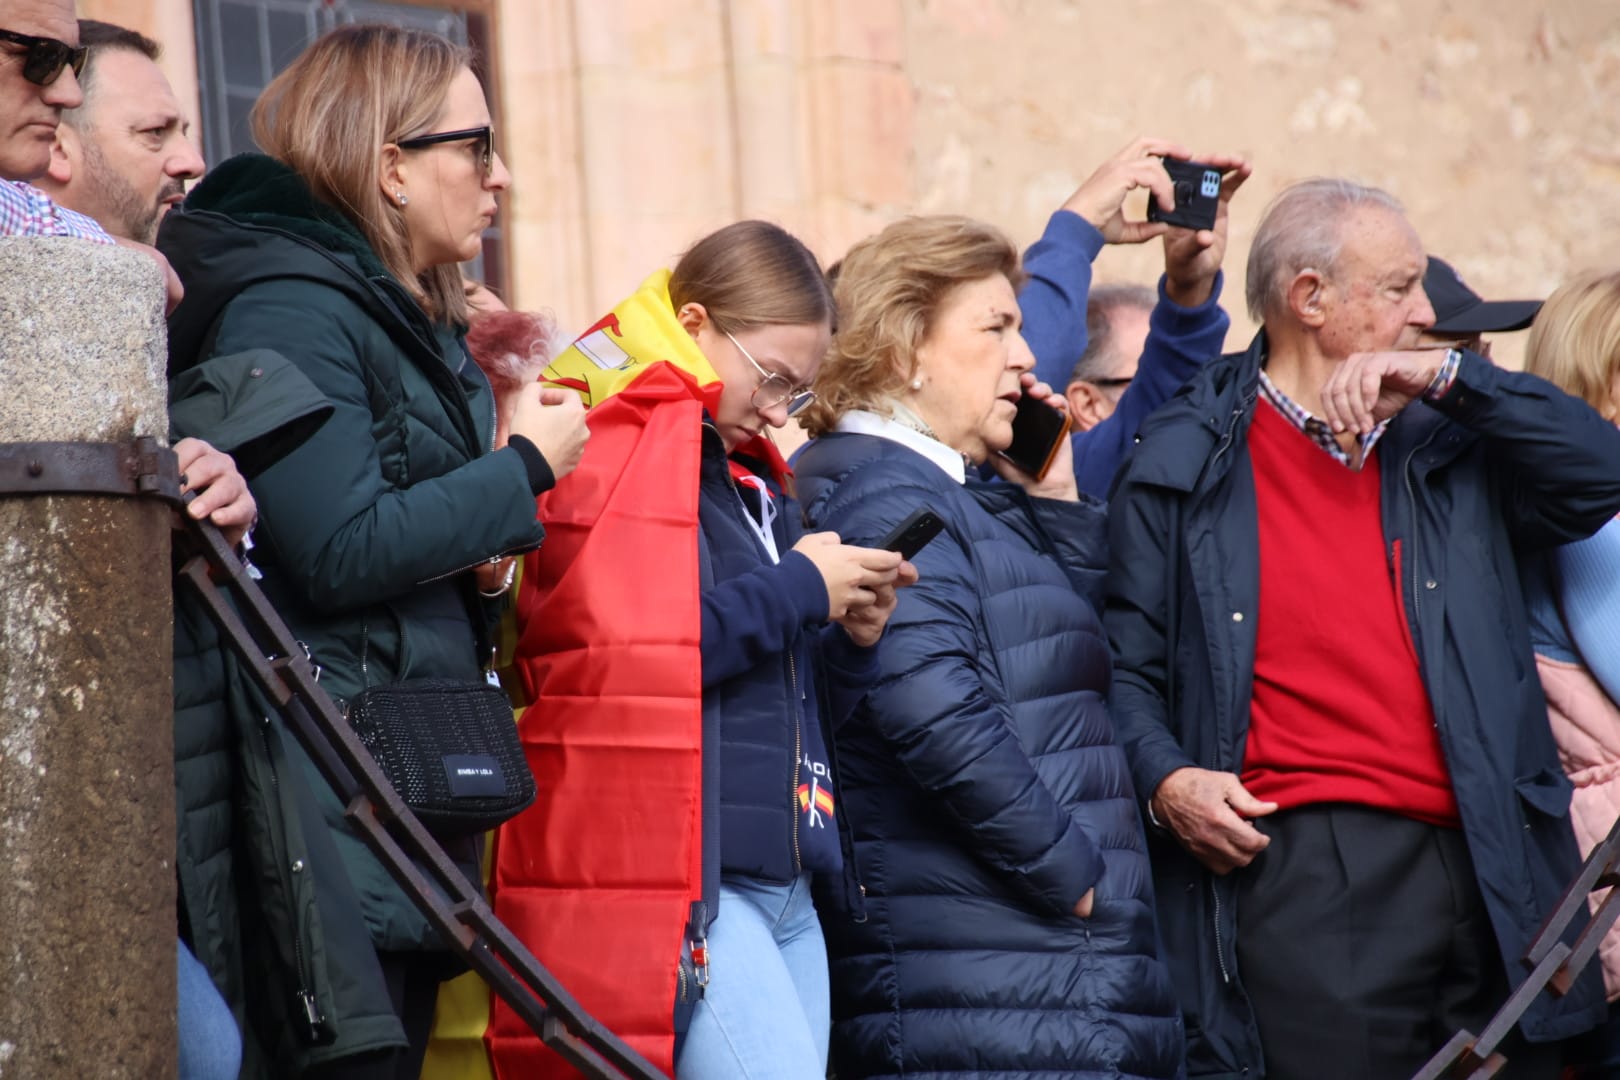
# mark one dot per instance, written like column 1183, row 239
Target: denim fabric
column 764, row 1015
column 210, row 1045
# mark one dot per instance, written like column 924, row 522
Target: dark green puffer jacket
column 265, row 900
column 366, row 529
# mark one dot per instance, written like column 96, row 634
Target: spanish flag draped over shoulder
column 597, row 877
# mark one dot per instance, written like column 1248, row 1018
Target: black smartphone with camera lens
column 1038, row 431
column 1198, row 195
column 913, row 534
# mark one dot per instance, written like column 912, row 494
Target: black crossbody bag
column 450, row 747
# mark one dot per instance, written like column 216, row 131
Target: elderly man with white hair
column 1324, row 679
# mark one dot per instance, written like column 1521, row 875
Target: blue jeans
column 764, row 1015
column 210, row 1045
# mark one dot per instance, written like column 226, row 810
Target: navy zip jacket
column 766, row 645
column 987, row 794
column 1503, row 462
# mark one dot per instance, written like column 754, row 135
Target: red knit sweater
column 1339, row 711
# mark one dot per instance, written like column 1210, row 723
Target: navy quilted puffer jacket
column 987, row 793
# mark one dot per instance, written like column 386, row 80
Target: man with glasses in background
column 1116, row 330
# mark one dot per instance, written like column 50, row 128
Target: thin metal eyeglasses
column 46, row 57
column 774, row 389
column 485, row 135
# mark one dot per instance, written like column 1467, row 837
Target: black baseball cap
column 1460, row 310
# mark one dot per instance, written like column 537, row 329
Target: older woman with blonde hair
column 1573, row 593
column 339, row 248
column 1009, row 922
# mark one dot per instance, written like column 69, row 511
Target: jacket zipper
column 1227, row 439
column 474, row 565
column 306, row 998
column 796, row 716
column 1220, row 946
column 798, row 756
column 1412, row 548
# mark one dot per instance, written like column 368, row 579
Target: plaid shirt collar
column 27, row 211
column 1316, row 429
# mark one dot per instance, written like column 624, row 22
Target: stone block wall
column 633, row 127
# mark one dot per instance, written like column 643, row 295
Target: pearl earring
column 916, row 384
column 401, row 196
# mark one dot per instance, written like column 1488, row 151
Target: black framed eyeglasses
column 485, row 136
column 46, row 57
column 774, row 389
column 1117, row 380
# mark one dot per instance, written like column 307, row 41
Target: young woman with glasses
column 675, row 636
column 339, row 249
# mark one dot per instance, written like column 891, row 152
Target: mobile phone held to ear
column 1038, row 431
column 913, row 534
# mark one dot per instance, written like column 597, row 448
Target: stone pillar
column 87, row 889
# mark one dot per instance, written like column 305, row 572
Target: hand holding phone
column 1197, row 189
column 1038, row 432
column 913, row 534
column 851, row 574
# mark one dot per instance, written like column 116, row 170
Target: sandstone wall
column 632, row 127
column 1493, row 120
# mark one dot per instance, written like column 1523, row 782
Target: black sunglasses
column 46, row 57
column 485, row 135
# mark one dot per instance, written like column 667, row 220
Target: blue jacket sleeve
column 947, row 729
column 1180, row 341
column 1589, row 578
column 1053, row 299
column 750, row 618
column 851, row 671
column 1552, row 457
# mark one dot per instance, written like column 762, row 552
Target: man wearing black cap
column 1461, row 315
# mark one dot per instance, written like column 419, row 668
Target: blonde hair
column 752, row 273
column 890, row 288
column 328, row 116
column 1575, row 340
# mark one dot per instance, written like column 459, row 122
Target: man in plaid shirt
column 27, row 211
column 40, row 60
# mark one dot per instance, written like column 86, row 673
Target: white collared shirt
column 861, row 422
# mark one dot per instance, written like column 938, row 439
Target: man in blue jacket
column 1187, row 327
column 1324, row 680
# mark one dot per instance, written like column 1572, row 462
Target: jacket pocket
column 1547, row 791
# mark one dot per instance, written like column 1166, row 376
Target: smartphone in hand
column 1038, row 431
column 913, row 534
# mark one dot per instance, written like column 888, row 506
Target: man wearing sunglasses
column 40, row 58
column 40, row 61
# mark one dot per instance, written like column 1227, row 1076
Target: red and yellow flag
column 597, row 877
